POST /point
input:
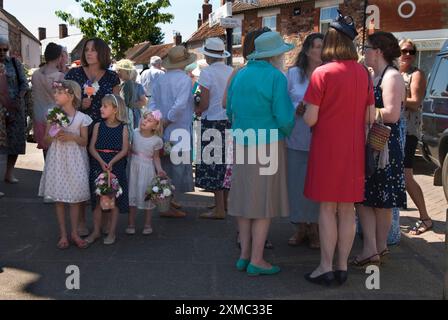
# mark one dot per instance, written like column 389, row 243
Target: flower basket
column 108, row 189
column 164, row 205
column 160, row 192
column 107, row 202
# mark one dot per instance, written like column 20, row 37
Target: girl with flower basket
column 66, row 174
column 145, row 163
column 109, row 148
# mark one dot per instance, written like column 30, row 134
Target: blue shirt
column 258, row 99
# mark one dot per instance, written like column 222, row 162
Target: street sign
column 222, row 12
column 230, row 23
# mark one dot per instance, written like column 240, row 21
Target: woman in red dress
column 337, row 99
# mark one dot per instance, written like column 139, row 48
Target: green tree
column 121, row 23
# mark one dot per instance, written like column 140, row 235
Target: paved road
column 192, row 258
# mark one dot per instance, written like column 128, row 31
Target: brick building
column 423, row 20
column 23, row 44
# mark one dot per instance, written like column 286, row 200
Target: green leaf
column 121, row 23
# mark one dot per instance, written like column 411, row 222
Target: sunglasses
column 4, row 49
column 406, row 51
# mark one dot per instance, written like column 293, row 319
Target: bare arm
column 92, row 148
column 418, row 88
column 80, row 140
column 141, row 102
column 370, row 114
column 116, row 90
column 205, row 101
column 224, row 98
column 311, row 115
column 124, row 151
column 393, row 95
column 158, row 164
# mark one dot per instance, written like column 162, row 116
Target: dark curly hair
column 387, row 43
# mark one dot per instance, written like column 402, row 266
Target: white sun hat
column 215, row 48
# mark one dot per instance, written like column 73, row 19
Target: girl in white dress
column 66, row 174
column 145, row 161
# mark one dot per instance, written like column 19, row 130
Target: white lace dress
column 66, row 173
column 142, row 169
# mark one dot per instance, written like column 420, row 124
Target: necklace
column 74, row 117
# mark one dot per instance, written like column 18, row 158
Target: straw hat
column 269, row 44
column 215, row 48
column 178, row 58
column 124, row 64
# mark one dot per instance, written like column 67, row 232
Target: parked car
column 435, row 118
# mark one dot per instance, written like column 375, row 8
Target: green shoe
column 242, row 264
column 256, row 271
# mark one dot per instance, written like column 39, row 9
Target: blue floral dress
column 107, row 83
column 385, row 188
column 109, row 143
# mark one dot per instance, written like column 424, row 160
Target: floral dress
column 66, row 173
column 385, row 188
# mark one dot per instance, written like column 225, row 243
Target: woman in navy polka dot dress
column 109, row 148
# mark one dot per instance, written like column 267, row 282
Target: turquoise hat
column 269, row 44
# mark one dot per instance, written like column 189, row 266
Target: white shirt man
column 149, row 76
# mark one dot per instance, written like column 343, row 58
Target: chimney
column 63, row 32
column 206, row 10
column 199, row 21
column 42, row 33
column 177, row 39
column 1, row 4
column 223, row 2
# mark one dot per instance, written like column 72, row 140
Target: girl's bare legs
column 60, row 214
column 131, row 217
column 97, row 215
column 113, row 223
column 367, row 217
column 82, row 225
column 148, row 218
column 74, row 219
column 383, row 225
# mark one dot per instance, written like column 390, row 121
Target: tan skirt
column 257, row 196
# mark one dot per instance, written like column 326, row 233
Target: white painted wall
column 4, row 29
column 31, row 51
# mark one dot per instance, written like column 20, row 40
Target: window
column 28, row 51
column 327, row 15
column 426, row 60
column 440, row 85
column 237, row 36
column 270, row 22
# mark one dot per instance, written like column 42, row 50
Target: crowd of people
column 323, row 110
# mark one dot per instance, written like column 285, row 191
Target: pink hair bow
column 157, row 115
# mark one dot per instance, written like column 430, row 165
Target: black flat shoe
column 341, row 276
column 324, row 279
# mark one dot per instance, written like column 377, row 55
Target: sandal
column 421, row 227
column 384, row 254
column 63, row 244
column 365, row 262
column 81, row 244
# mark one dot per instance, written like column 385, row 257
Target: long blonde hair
column 118, row 103
column 157, row 131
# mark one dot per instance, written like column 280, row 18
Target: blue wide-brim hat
column 345, row 25
column 269, row 44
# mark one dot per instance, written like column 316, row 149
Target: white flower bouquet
column 58, row 120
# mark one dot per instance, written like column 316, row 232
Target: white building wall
column 4, row 29
column 31, row 51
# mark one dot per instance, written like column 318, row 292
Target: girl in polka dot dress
column 66, row 174
column 109, row 149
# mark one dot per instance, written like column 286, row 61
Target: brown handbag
column 107, row 202
column 379, row 134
